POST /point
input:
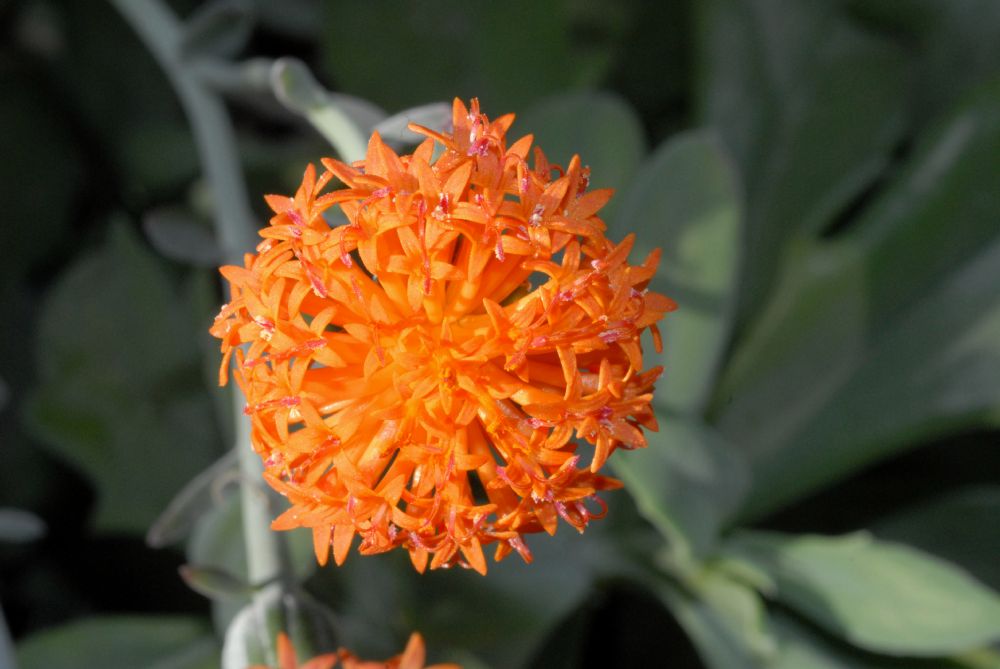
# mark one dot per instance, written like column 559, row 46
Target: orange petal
column 342, row 537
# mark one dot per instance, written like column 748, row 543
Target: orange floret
column 453, row 366
column 411, row 658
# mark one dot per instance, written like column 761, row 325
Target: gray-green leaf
column 960, row 526
column 217, row 541
column 725, row 619
column 880, row 596
column 197, row 498
column 176, row 235
column 686, row 200
column 600, row 127
column 887, row 336
column 803, row 647
column 213, row 582
column 252, row 635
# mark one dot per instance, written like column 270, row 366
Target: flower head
column 411, row 658
column 453, row 365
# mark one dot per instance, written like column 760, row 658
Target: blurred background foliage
column 824, row 178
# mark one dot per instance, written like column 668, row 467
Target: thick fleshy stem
column 161, row 31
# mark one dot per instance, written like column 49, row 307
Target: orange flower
column 288, row 660
column 411, row 658
column 418, row 376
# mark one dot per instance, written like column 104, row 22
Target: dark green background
column 864, row 136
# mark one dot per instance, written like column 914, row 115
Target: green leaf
column 802, row 647
column 981, row 658
column 725, row 619
column 213, row 582
column 217, row 542
column 121, row 642
column 880, row 596
column 687, row 483
column 959, row 526
column 955, row 45
column 887, row 335
column 600, row 127
column 220, row 28
column 686, row 200
column 120, row 393
column 251, row 637
column 178, row 236
column 192, row 502
column 812, row 108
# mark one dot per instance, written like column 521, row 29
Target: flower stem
column 161, row 32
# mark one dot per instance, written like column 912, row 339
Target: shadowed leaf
column 121, row 642
column 886, row 336
column 811, row 107
column 194, row 500
column 120, row 395
column 688, row 482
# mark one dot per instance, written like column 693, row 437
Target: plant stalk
column 161, row 32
